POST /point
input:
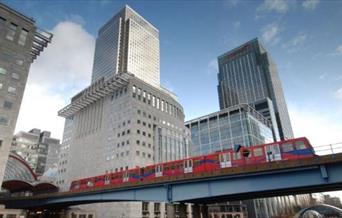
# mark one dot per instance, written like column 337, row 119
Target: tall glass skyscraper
column 248, row 75
column 127, row 43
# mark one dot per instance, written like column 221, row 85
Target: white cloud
column 279, row 6
column 338, row 93
column 63, row 69
column 270, row 33
column 230, row 3
column 213, row 67
column 319, row 126
column 296, row 43
column 310, row 4
column 339, row 49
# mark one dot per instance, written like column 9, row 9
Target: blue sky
column 304, row 38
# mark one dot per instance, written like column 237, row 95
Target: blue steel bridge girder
column 301, row 179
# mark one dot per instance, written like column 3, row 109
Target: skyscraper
column 124, row 119
column 20, row 43
column 127, row 43
column 247, row 74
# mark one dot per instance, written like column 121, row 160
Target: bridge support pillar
column 182, row 210
column 196, row 213
column 204, row 211
column 170, row 210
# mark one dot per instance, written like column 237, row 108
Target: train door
column 225, row 160
column 272, row 152
column 125, row 176
column 159, row 170
column 107, row 180
column 188, row 166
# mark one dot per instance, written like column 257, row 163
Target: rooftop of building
column 237, row 49
column 230, row 110
column 17, row 13
column 104, row 87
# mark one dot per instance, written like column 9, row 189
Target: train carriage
column 276, row 151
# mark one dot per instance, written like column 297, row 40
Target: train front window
column 300, row 145
column 287, row 147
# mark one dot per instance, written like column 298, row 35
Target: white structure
column 20, row 43
column 127, row 43
column 37, row 148
column 124, row 118
column 119, row 123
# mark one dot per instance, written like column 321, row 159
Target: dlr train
column 277, row 151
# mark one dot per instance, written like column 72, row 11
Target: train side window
column 107, row 180
column 188, row 166
column 90, row 183
column 257, row 152
column 287, row 147
column 236, row 156
column 300, row 145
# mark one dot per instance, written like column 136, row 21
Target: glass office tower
column 248, row 75
column 237, row 125
column 127, row 43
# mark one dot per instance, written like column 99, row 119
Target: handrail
column 332, row 148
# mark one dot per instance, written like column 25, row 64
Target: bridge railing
column 334, row 148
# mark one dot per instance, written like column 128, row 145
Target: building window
column 19, row 62
column 22, row 37
column 3, row 121
column 8, row 105
column 15, row 76
column 11, row 32
column 3, row 71
column 11, row 89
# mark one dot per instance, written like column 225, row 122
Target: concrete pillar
column 182, row 211
column 204, row 211
column 196, row 211
column 170, row 210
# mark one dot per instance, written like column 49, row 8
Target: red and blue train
column 277, row 151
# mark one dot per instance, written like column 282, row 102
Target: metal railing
column 334, row 148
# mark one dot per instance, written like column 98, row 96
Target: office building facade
column 127, row 43
column 236, row 125
column 124, row 118
column 248, row 75
column 38, row 149
column 118, row 124
column 20, row 42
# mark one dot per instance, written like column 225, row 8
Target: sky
column 303, row 37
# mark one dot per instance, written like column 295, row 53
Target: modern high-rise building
column 248, row 75
column 20, row 44
column 37, row 148
column 127, row 43
column 124, row 119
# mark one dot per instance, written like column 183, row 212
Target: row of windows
column 156, row 102
column 12, row 31
column 118, row 93
column 144, row 144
